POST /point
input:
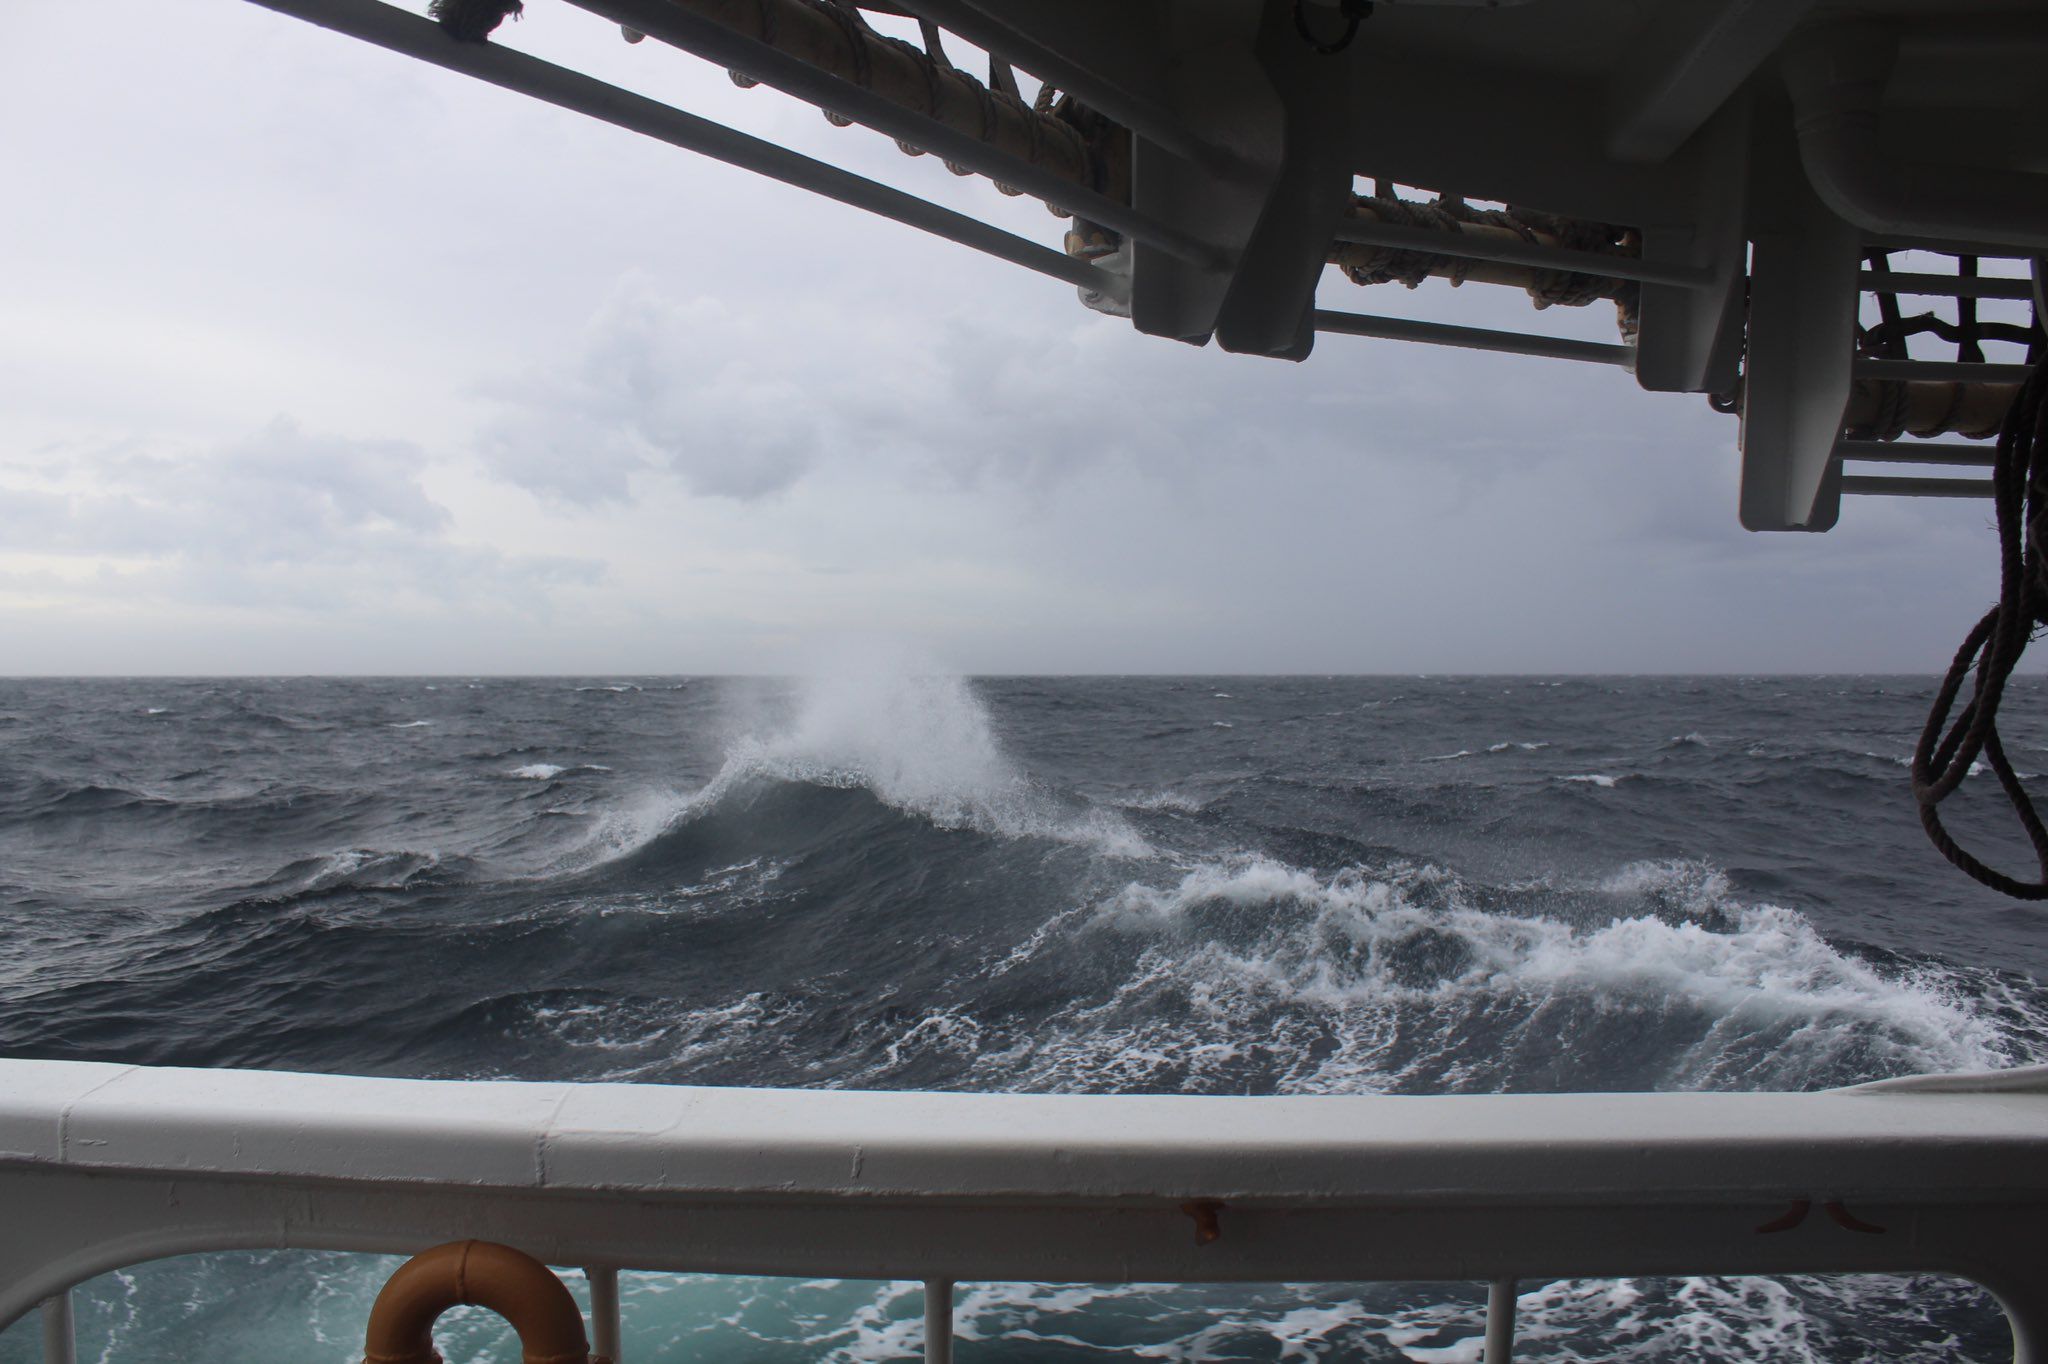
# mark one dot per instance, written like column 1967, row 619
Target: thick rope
column 1451, row 215
column 1993, row 648
column 1353, row 13
column 471, row 21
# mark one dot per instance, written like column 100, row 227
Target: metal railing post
column 604, row 1311
column 1500, row 1322
column 938, row 1321
column 60, row 1335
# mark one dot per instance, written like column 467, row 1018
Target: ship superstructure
column 1818, row 215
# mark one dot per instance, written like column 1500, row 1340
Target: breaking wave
column 919, row 743
column 1250, row 974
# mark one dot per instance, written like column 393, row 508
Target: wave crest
column 923, row 744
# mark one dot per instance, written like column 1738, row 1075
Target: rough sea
column 878, row 878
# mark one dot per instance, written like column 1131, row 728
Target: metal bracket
column 1269, row 305
column 1802, row 335
column 1216, row 85
column 1691, row 338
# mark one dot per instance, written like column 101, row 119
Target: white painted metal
column 1894, row 485
column 1689, row 340
column 1688, row 68
column 1472, row 338
column 103, row 1166
column 60, row 1333
column 1796, row 375
column 1499, row 1345
column 1213, row 82
column 604, row 1312
column 1918, row 452
column 1838, row 78
column 938, row 1321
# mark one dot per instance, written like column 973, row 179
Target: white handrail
column 105, row 1166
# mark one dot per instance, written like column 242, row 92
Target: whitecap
column 412, row 724
column 537, row 771
column 1164, row 800
column 1592, row 778
column 1977, row 768
column 1448, row 757
column 1511, row 745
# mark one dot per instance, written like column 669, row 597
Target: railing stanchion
column 938, row 1321
column 604, row 1311
column 1500, row 1322
column 60, row 1336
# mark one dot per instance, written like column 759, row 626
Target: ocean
column 891, row 879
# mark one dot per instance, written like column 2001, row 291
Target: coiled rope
column 1993, row 648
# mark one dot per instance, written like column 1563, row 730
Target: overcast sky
column 315, row 359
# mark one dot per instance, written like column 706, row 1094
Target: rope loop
column 472, row 21
column 855, row 30
column 1354, row 12
column 1947, row 751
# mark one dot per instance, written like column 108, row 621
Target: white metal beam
column 1796, row 375
column 1690, row 66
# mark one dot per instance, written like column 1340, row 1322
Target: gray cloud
column 661, row 415
column 693, row 389
column 279, row 518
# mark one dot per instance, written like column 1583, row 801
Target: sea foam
column 1399, row 979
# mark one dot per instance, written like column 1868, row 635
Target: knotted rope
column 1993, row 648
column 471, row 21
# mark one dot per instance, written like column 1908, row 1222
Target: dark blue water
column 887, row 880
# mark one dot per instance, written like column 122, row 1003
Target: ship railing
column 107, row 1166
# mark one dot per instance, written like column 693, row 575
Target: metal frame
column 1244, row 141
column 1944, row 371
column 1514, row 252
column 1945, row 286
column 1803, row 305
column 1107, row 57
column 679, row 27
column 389, row 27
column 1689, row 67
column 1980, row 455
column 1894, row 486
column 1473, row 338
